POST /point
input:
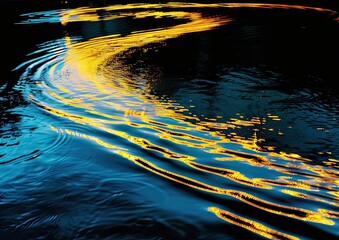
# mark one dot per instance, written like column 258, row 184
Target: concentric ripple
column 90, row 92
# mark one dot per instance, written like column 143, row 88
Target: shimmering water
column 171, row 121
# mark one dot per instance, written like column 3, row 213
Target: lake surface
column 170, row 121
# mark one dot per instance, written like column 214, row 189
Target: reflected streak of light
column 250, row 225
column 230, row 174
column 306, row 196
column 335, row 193
column 329, row 213
column 90, row 14
column 290, row 184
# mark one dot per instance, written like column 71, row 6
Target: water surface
column 171, row 121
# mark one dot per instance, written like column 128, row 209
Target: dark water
column 170, row 121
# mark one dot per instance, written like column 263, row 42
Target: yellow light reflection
column 250, row 224
column 306, row 196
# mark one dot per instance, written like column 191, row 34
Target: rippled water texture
column 173, row 121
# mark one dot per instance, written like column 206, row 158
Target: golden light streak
column 86, row 14
column 306, row 196
column 250, row 224
column 230, row 174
